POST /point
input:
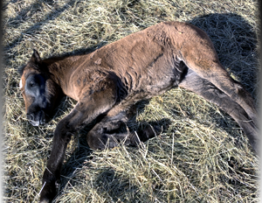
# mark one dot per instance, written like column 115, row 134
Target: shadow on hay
column 235, row 42
column 33, row 29
column 115, row 188
column 29, row 12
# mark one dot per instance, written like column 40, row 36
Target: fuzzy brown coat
column 111, row 79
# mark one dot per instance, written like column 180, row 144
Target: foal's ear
column 35, row 57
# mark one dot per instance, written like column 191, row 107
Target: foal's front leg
column 61, row 138
column 85, row 111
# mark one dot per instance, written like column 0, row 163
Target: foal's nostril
column 30, row 116
column 42, row 121
column 42, row 118
column 37, row 117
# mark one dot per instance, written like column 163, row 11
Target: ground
column 201, row 155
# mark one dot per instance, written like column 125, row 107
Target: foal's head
column 40, row 93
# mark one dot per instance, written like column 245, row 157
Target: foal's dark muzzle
column 37, row 118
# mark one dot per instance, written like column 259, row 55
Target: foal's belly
column 152, row 85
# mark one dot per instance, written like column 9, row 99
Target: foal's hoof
column 48, row 193
column 44, row 201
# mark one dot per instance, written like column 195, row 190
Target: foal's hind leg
column 109, row 132
column 113, row 130
column 221, row 79
column 211, row 93
column 200, row 56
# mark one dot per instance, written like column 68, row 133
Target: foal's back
column 148, row 61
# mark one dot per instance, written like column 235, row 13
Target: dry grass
column 202, row 156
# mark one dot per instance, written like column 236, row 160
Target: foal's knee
column 63, row 132
column 95, row 140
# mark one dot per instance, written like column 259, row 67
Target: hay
column 201, row 156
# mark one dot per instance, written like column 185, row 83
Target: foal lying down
column 108, row 81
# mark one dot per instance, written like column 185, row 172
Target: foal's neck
column 62, row 67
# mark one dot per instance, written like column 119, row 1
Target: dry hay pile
column 201, row 155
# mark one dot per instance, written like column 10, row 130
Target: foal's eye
column 32, row 84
